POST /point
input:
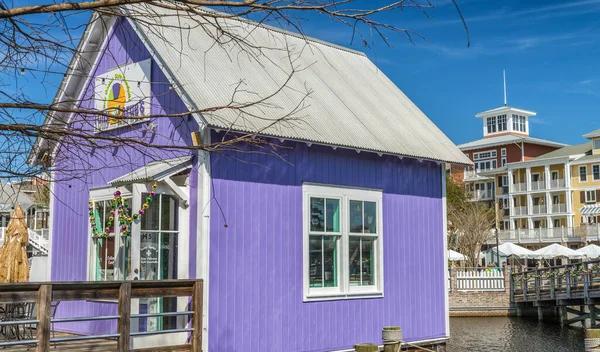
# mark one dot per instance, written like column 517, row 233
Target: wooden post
column 592, row 309
column 43, row 316
column 124, row 325
column 540, row 313
column 563, row 315
column 198, row 310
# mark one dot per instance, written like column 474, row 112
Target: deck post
column 198, row 310
column 511, row 285
column 540, row 313
column 552, row 284
column 43, row 316
column 592, row 309
column 563, row 315
column 538, row 283
column 124, row 326
column 568, row 281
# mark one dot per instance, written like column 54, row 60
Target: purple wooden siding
column 256, row 261
column 97, row 167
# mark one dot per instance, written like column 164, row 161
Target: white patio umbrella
column 553, row 251
column 509, row 250
column 455, row 256
column 590, row 251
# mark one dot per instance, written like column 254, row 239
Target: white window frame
column 596, row 143
column 503, row 152
column 502, row 123
column 344, row 290
column 98, row 195
column 593, row 173
column 504, row 161
column 579, row 173
column 589, row 199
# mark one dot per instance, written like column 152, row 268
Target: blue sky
column 549, row 50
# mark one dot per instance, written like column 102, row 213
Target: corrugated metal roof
column 154, row 171
column 335, row 96
column 567, row 151
column 505, row 139
column 11, row 197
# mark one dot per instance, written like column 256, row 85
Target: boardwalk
column 566, row 289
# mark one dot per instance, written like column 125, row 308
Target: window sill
column 343, row 296
column 103, row 301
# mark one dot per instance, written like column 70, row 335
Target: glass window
column 582, row 174
column 590, row 196
column 503, row 152
column 111, row 254
column 597, row 143
column 343, row 258
column 596, row 172
column 502, row 123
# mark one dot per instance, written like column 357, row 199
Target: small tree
column 470, row 223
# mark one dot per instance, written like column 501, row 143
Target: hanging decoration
column 118, row 212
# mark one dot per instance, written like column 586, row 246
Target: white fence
column 480, row 280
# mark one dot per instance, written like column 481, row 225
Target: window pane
column 370, row 220
column 315, row 258
column 356, row 216
column 323, row 261
column 333, row 215
column 368, row 273
column 168, row 213
column 168, row 255
column 124, row 259
column 105, row 257
column 149, row 220
column 149, row 256
column 354, row 253
column 317, row 218
column 361, row 259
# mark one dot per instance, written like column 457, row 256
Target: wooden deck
column 41, row 339
column 566, row 289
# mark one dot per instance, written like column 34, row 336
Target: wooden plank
column 153, row 292
column 18, row 297
column 87, row 294
column 178, row 348
column 197, row 308
column 124, row 317
column 43, row 314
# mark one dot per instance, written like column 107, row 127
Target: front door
column 158, row 256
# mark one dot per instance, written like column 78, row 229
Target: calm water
column 512, row 334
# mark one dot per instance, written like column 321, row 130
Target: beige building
column 554, row 197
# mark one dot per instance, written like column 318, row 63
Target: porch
column 38, row 327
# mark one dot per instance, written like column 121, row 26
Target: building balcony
column 519, row 187
column 482, row 195
column 559, row 208
column 557, row 184
column 519, row 210
column 474, row 175
column 544, row 235
column 539, row 209
column 504, row 190
column 538, row 185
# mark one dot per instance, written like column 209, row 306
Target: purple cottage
column 313, row 236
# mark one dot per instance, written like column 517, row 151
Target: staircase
column 36, row 240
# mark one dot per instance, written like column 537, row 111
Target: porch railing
column 538, row 185
column 123, row 293
column 559, row 183
column 519, row 187
column 556, row 234
column 480, row 280
column 559, row 208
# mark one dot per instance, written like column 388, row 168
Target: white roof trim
column 154, row 171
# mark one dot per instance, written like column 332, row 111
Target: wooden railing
column 122, row 292
column 573, row 281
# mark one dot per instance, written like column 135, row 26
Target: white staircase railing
column 36, row 240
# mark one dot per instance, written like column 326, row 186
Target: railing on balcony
column 539, row 209
column 559, row 208
column 520, row 210
column 483, row 195
column 557, row 234
column 559, row 183
column 519, row 187
column 538, row 185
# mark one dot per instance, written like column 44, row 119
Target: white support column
column 511, row 205
column 548, row 203
column 529, row 204
column 136, row 203
column 567, row 175
column 528, row 178
column 510, row 183
column 547, row 176
column 569, row 201
column 569, row 221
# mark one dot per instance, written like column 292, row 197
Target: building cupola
column 505, row 120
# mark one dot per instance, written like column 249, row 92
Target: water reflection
column 512, row 334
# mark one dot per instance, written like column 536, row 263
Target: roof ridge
column 280, row 30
